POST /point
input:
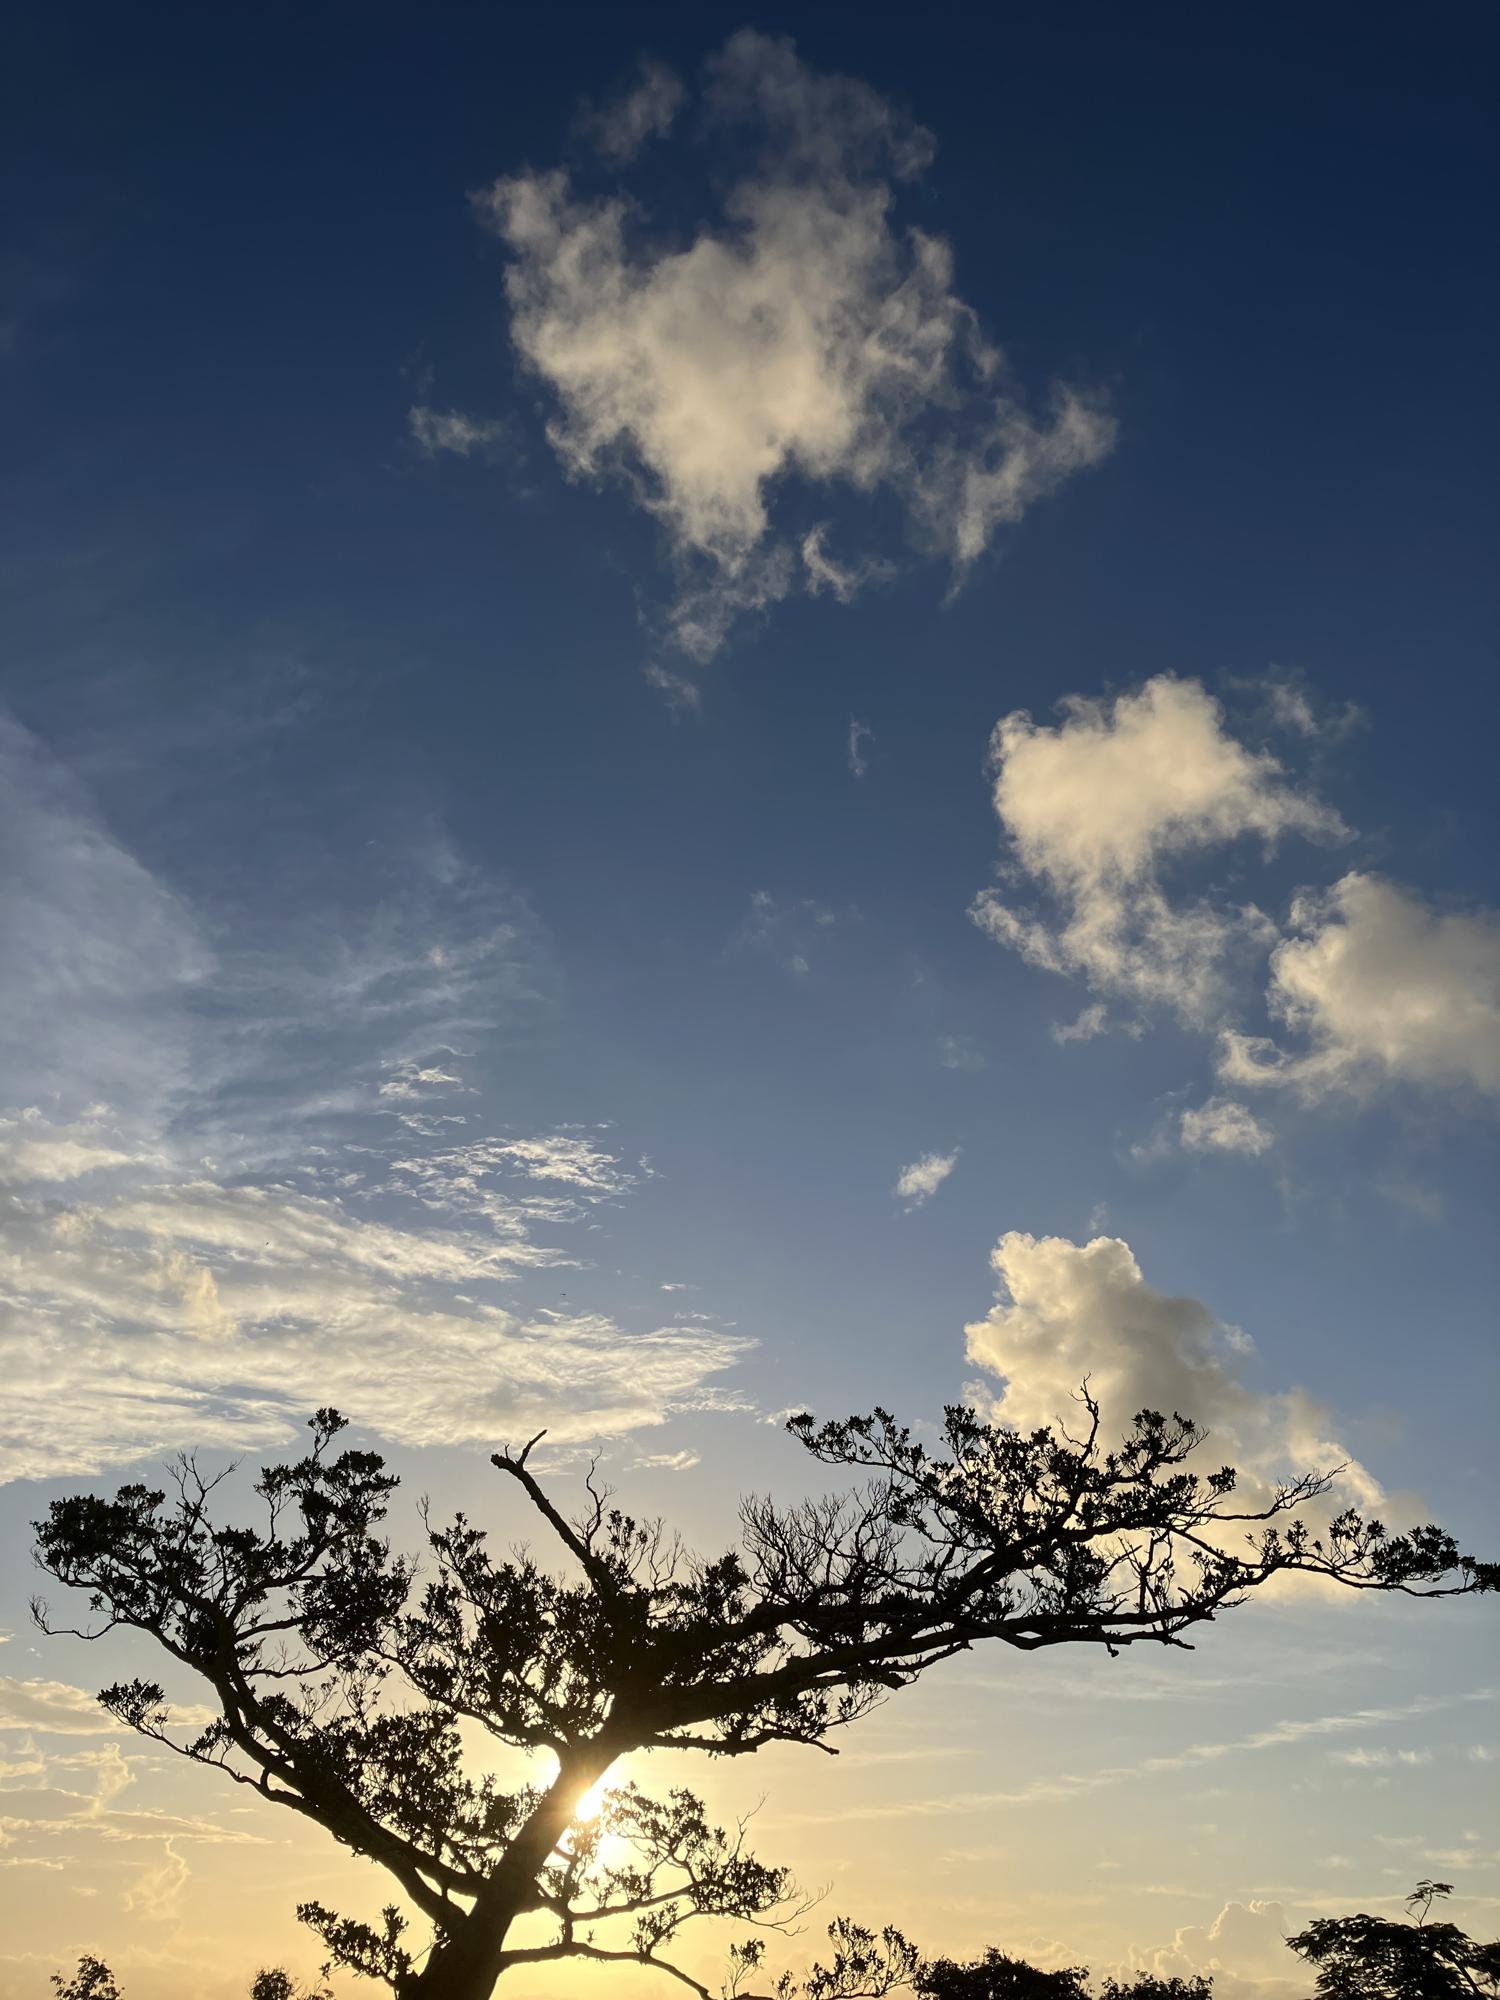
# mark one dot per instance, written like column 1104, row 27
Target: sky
column 703, row 716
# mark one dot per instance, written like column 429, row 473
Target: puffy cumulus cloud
column 1244, row 1951
column 293, row 1201
column 1386, row 990
column 919, row 1182
column 1097, row 808
column 806, row 335
column 1222, row 1126
column 1067, row 1312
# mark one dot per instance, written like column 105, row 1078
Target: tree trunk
column 466, row 1965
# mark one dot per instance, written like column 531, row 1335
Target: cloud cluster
column 1385, row 989
column 1099, row 808
column 804, row 335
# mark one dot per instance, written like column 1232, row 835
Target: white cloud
column 1385, row 989
column 806, row 334
column 1067, row 1312
column 1096, row 809
column 667, row 1461
column 919, row 1182
column 1361, row 1758
column 436, row 431
column 53, row 1707
column 632, row 118
column 860, row 733
column 31, row 1150
column 1222, row 1126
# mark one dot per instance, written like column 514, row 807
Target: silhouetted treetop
column 1378, row 1958
column 343, row 1677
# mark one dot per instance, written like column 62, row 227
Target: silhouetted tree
column 1147, row 1986
column 275, row 1983
column 997, row 1977
column 342, row 1684
column 93, row 1980
column 1376, row 1958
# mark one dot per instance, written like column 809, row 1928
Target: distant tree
column 273, row 1983
column 1147, row 1986
column 996, row 1977
column 1377, row 1958
column 342, row 1684
column 93, row 1980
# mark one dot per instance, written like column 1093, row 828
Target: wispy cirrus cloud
column 1284, row 1734
column 245, row 1174
column 804, row 335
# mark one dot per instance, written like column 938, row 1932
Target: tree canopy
column 1380, row 1958
column 343, row 1672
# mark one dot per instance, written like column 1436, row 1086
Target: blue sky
column 679, row 715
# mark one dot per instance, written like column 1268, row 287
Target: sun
column 591, row 1804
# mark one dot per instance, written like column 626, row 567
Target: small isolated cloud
column 434, row 432
column 1295, row 708
column 919, row 1182
column 805, row 334
column 676, row 690
column 960, row 1052
column 643, row 111
column 1094, row 1020
column 792, row 933
column 1100, row 808
column 1361, row 1758
column 860, row 733
column 1222, row 1126
column 1384, row 989
column 667, row 1461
